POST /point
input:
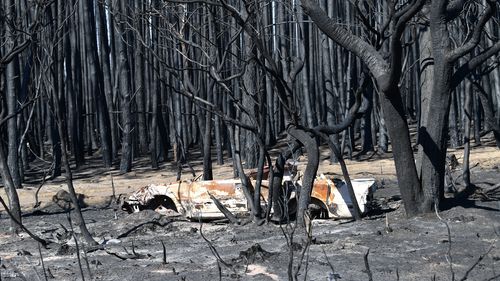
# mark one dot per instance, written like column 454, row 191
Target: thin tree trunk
column 12, row 87
column 139, row 83
column 207, row 141
column 96, row 83
column 467, row 127
column 105, row 36
column 488, row 113
column 68, row 174
column 477, row 119
column 453, row 130
column 10, row 189
column 76, row 96
column 125, row 91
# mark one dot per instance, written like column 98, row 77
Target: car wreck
column 193, row 199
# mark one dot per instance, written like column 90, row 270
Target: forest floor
column 396, row 248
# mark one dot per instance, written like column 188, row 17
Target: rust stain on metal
column 322, row 190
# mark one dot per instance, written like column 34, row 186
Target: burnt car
column 329, row 197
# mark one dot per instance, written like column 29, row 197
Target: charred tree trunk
column 489, row 116
column 74, row 113
column 75, row 100
column 68, row 174
column 96, row 83
column 467, row 126
column 10, row 189
column 387, row 77
column 312, row 151
column 207, row 141
column 408, row 181
column 125, row 89
column 105, row 36
column 140, row 83
column 12, row 87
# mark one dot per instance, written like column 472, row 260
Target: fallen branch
column 213, row 249
column 481, row 257
column 133, row 229
column 489, row 194
column 215, row 253
column 35, row 237
column 493, row 278
column 333, row 275
column 128, row 256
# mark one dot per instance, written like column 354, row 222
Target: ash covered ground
column 392, row 245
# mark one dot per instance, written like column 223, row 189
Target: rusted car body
column 192, row 198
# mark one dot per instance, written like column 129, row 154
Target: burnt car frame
column 329, row 197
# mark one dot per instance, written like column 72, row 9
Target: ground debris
column 251, row 254
column 65, row 250
column 10, row 270
column 135, row 223
column 126, row 255
column 416, row 249
column 487, row 194
column 23, row 253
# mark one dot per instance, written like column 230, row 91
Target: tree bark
column 125, row 89
column 12, row 87
column 96, row 79
column 139, row 83
column 312, row 151
column 68, row 174
column 10, row 189
column 387, row 77
column 432, row 131
column 467, row 127
column 207, row 142
column 105, row 40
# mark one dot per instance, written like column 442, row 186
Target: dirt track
column 416, row 249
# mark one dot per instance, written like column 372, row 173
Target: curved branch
column 366, row 22
column 391, row 4
column 208, row 106
column 351, row 115
column 43, row 242
column 283, row 88
column 312, row 151
column 470, row 44
column 362, row 49
column 396, row 45
column 454, row 9
column 4, row 119
column 15, row 51
column 410, row 11
column 469, row 66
